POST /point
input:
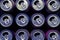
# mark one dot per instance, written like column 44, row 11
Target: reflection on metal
column 38, row 5
column 53, row 20
column 37, row 35
column 6, row 5
column 22, row 19
column 6, row 35
column 38, row 19
column 22, row 5
column 53, row 35
column 6, row 20
column 22, row 34
column 53, row 5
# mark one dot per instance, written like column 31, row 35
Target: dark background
column 14, row 27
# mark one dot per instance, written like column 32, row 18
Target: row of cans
column 22, row 5
column 23, row 34
column 37, row 19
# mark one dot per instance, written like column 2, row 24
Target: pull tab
column 22, row 4
column 5, row 35
column 54, row 21
column 38, row 20
column 6, row 5
column 22, row 37
column 22, row 20
column 6, row 38
column 54, row 37
column 38, row 5
column 6, row 21
column 54, row 5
